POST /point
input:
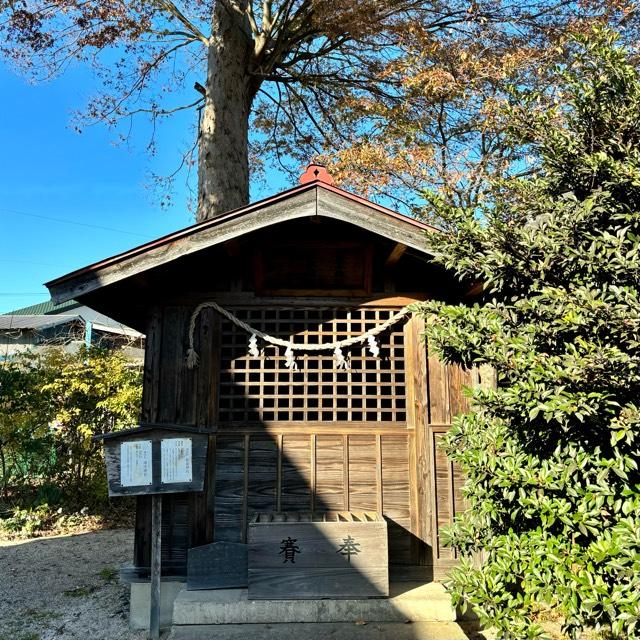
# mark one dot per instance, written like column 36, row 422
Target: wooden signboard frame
column 154, row 436
column 153, row 459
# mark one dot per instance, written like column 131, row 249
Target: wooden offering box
column 294, row 556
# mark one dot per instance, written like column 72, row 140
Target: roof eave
column 313, row 198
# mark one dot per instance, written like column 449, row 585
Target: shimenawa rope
column 291, row 347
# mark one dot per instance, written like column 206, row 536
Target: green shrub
column 551, row 455
column 27, row 521
column 51, row 405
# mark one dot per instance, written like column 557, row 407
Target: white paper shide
column 135, row 463
column 175, row 457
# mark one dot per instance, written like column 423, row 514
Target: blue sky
column 47, row 170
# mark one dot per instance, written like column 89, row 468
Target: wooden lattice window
column 263, row 389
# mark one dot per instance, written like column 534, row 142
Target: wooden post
column 156, row 547
column 141, row 471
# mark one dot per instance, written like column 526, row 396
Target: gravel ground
column 65, row 588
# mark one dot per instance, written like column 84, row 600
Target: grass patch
column 37, row 614
column 78, row 592
column 108, row 573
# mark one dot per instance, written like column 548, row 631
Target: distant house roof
column 35, row 322
column 48, row 314
column 45, row 308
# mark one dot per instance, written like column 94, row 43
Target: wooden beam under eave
column 232, row 247
column 396, row 253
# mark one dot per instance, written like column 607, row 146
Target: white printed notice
column 175, row 457
column 135, row 463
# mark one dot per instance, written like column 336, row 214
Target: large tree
column 412, row 77
column 551, row 455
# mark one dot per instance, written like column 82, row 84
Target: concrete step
column 326, row 631
column 408, row 602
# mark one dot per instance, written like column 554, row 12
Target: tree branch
column 176, row 13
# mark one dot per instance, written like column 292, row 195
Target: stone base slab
column 407, row 602
column 140, row 601
column 325, row 631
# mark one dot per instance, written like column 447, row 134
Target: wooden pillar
column 420, row 452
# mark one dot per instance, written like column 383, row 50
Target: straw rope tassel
column 290, row 361
column 253, row 346
column 338, row 356
column 374, row 348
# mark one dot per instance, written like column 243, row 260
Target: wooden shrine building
column 293, row 432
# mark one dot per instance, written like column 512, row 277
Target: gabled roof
column 48, row 314
column 44, row 309
column 313, row 198
column 35, row 322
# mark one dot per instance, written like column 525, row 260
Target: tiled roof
column 44, row 308
column 48, row 314
column 22, row 322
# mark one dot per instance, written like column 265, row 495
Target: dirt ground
column 65, row 587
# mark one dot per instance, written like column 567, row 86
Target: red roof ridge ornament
column 316, row 173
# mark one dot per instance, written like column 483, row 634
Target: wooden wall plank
column 438, row 384
column 176, row 530
column 296, row 473
column 396, row 497
column 152, row 357
column 186, row 383
column 229, row 488
column 313, row 469
column 207, row 344
column 345, row 471
column 263, row 475
column 363, row 495
column 245, row 488
column 395, row 476
column 443, row 500
column 457, row 480
column 210, row 494
column 142, row 532
column 279, row 442
column 169, row 388
column 329, row 485
column 458, row 380
column 379, row 496
column 169, row 397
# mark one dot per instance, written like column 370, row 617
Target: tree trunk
column 223, row 154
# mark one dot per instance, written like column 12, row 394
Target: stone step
column 408, row 602
column 326, row 631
